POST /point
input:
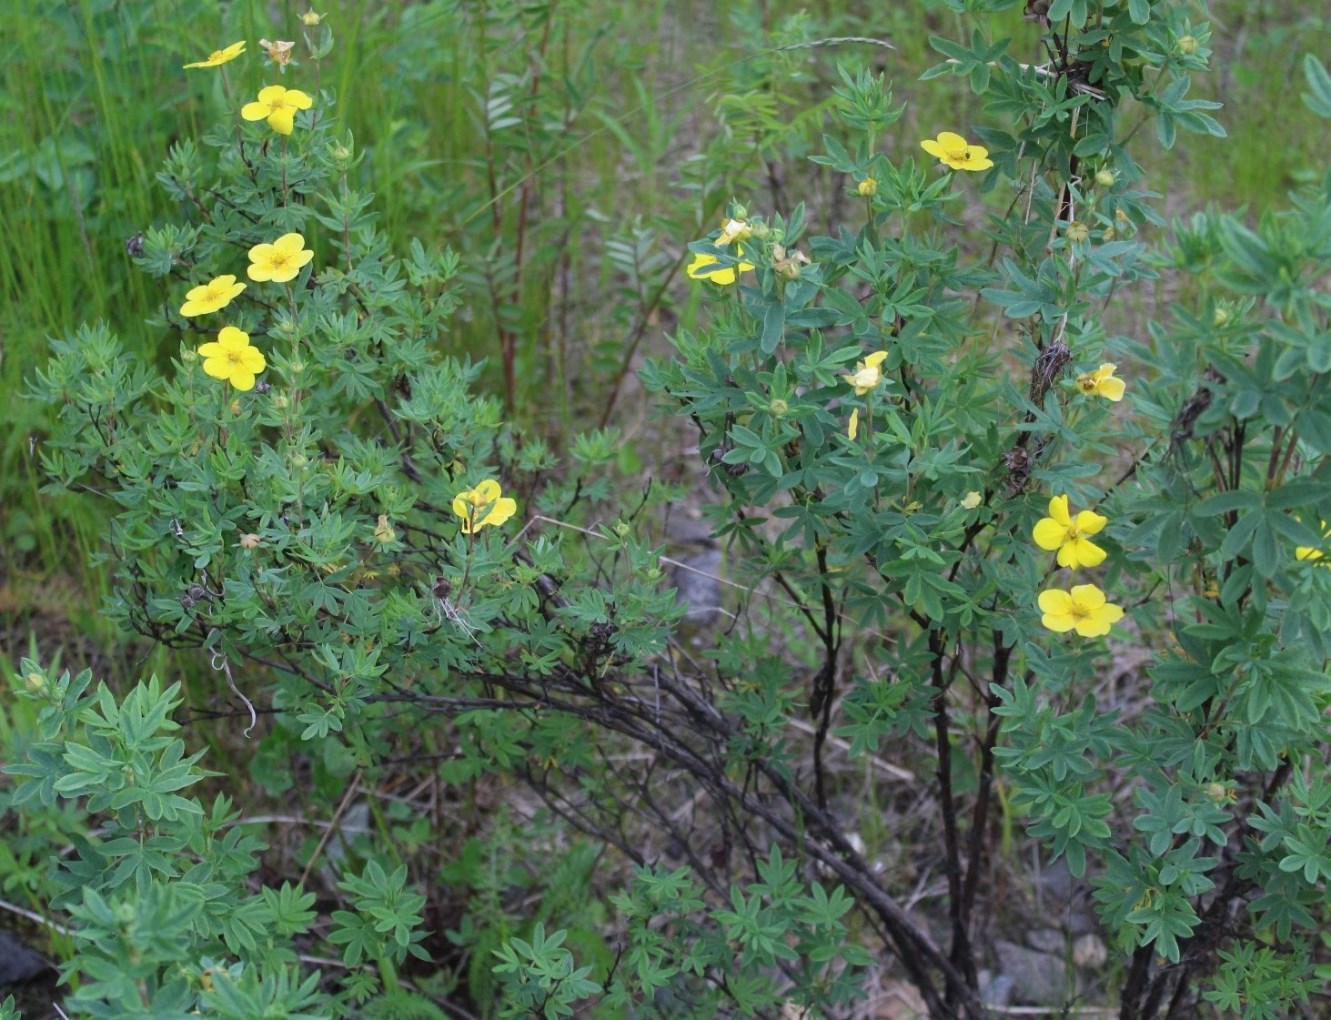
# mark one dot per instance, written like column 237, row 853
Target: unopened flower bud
column 310, row 19
column 383, row 531
column 1187, row 45
column 1104, row 177
column 235, row 407
column 249, row 541
column 1078, row 232
column 1221, row 316
column 867, row 188
column 34, row 682
column 189, row 356
column 971, row 500
column 778, row 407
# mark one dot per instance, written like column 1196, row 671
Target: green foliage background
column 568, row 158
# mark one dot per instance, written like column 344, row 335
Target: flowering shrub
column 885, row 412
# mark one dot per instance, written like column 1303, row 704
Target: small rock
column 1037, row 978
column 1047, row 940
column 1089, row 952
column 18, row 963
column 900, row 1001
column 996, row 993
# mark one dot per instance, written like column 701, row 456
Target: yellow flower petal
column 283, row 120
column 1049, row 534
column 222, row 56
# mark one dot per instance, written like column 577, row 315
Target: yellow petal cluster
column 280, row 261
column 277, row 105
column 953, row 150
column 867, row 375
column 1101, row 383
column 1313, row 553
column 483, row 505
column 1083, row 609
column 219, row 57
column 1068, row 534
column 212, row 296
column 231, row 358
column 725, row 277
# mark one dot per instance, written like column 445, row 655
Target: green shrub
column 933, row 478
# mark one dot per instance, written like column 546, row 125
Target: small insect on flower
column 483, row 505
column 231, row 358
column 212, row 296
column 953, row 151
column 1101, row 383
column 220, row 57
column 277, row 105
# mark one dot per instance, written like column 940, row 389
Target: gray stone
column 996, row 993
column 18, row 963
column 1089, row 952
column 1039, row 979
column 1047, row 940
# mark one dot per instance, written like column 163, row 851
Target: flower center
column 236, row 358
column 215, row 55
column 962, row 154
column 279, row 259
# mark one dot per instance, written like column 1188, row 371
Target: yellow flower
column 279, row 53
column 1101, row 383
column 1068, row 535
column 867, row 188
column 231, row 358
column 867, row 375
column 280, row 261
column 1082, row 609
column 483, row 505
column 310, row 18
column 277, row 105
column 972, row 500
column 212, row 296
column 952, row 149
column 1312, row 552
column 854, row 426
column 383, row 531
column 219, row 57
column 725, row 277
